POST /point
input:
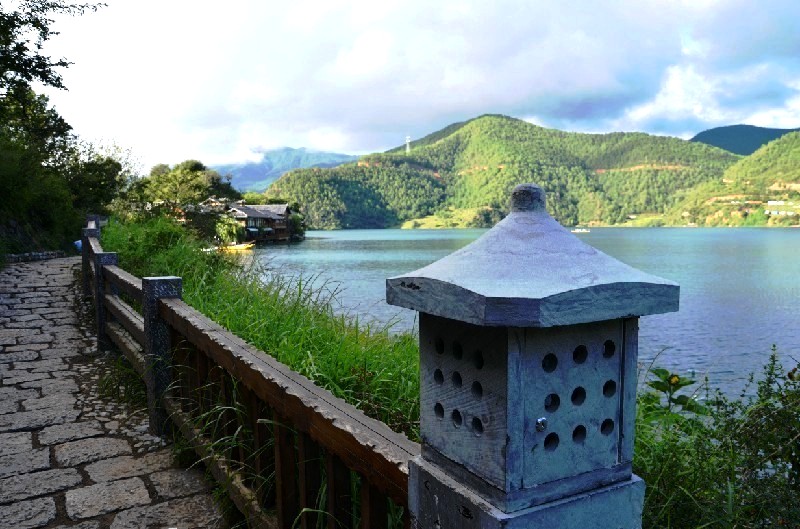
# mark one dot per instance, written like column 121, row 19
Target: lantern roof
column 529, row 271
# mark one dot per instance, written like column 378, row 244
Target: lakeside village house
column 261, row 223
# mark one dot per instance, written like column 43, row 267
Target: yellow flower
column 674, row 379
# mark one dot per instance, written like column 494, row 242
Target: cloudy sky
column 217, row 81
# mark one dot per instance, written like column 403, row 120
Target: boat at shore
column 237, row 247
column 580, row 230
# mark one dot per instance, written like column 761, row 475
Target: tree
column 27, row 119
column 25, row 26
column 189, row 182
column 46, row 176
column 159, row 169
column 94, row 179
column 251, row 197
column 227, row 229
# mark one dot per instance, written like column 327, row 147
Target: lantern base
column 436, row 500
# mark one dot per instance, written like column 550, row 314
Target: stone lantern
column 528, row 345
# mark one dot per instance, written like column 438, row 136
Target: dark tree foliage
column 25, row 26
column 27, row 119
column 48, row 179
column 94, row 181
column 350, row 196
column 36, row 209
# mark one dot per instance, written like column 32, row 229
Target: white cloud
column 179, row 79
column 684, row 95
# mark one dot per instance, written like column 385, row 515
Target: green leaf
column 661, row 373
column 681, row 399
column 659, row 385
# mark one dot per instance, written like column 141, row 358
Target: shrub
column 734, row 462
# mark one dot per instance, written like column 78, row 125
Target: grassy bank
column 708, row 460
column 373, row 370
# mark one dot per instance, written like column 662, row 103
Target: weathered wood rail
column 284, row 449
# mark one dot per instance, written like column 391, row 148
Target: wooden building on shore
column 263, row 222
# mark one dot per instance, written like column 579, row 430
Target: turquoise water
column 740, row 288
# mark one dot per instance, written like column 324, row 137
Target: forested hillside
column 473, row 165
column 761, row 189
column 352, row 196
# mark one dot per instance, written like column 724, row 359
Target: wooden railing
column 288, row 452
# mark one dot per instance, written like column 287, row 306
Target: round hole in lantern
column 607, row 427
column 580, row 354
column 438, row 376
column 456, row 378
column 609, row 348
column 550, row 363
column 579, row 434
column 551, row 442
column 477, row 390
column 609, row 388
column 458, row 420
column 477, row 426
column 552, row 402
column 438, row 409
column 578, row 396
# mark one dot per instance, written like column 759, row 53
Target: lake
column 740, row 288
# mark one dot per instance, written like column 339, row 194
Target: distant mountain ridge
column 471, row 167
column 257, row 176
column 740, row 139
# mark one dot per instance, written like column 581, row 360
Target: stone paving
column 68, row 457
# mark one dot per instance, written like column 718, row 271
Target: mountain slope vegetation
column 589, row 178
column 761, row 189
column 740, row 139
column 353, row 196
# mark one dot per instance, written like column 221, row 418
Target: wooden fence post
column 157, row 347
column 101, row 259
column 85, row 250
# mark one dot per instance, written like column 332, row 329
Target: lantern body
column 528, row 367
column 528, row 415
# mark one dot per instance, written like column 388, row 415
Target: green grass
column 708, row 460
column 367, row 366
column 122, row 383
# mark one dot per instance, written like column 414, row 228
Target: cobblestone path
column 69, row 458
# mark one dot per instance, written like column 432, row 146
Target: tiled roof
column 250, row 212
column 276, row 209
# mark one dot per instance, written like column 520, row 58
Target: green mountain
column 740, row 139
column 257, row 176
column 761, row 189
column 472, row 167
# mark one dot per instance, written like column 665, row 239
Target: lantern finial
column 527, row 197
